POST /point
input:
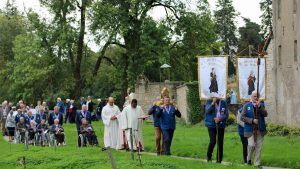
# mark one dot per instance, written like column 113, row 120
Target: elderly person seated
column 31, row 131
column 58, row 131
column 87, row 131
column 42, row 129
column 22, row 128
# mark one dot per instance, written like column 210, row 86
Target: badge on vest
column 249, row 108
column 223, row 110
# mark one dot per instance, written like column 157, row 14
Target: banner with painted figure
column 247, row 77
column 212, row 76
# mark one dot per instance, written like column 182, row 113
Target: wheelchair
column 21, row 137
column 87, row 139
column 53, row 140
column 41, row 138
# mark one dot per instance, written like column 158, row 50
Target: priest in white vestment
column 133, row 116
column 112, row 132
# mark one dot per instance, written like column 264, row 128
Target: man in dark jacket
column 255, row 127
column 55, row 115
column 167, row 115
column 216, row 113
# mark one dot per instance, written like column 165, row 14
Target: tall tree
column 64, row 36
column 266, row 17
column 249, row 35
column 123, row 24
column 225, row 24
column 225, row 27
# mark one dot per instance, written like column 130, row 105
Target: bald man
column 255, row 138
column 112, row 131
column 83, row 114
column 55, row 115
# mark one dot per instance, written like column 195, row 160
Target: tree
column 225, row 24
column 64, row 37
column 123, row 23
column 225, row 27
column 266, row 17
column 249, row 35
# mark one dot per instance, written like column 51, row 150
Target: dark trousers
column 67, row 117
column 244, row 141
column 212, row 132
column 167, row 136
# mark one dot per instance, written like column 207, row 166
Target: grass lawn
column 188, row 142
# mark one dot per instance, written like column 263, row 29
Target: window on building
column 279, row 55
column 279, row 9
column 295, row 51
column 295, row 7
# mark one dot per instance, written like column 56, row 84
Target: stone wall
column 182, row 102
column 285, row 75
column 146, row 92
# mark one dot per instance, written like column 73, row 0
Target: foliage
column 266, row 17
column 231, row 119
column 195, row 108
column 249, row 35
column 225, row 24
column 282, row 130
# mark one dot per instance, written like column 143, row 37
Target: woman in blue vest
column 167, row 115
column 216, row 113
column 255, row 137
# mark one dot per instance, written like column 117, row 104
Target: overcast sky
column 246, row 8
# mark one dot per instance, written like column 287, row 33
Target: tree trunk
column 79, row 83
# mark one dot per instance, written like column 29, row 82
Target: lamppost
column 164, row 66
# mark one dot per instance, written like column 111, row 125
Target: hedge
column 195, row 107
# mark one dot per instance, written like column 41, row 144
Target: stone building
column 283, row 64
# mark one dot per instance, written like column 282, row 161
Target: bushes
column 196, row 110
column 231, row 120
column 282, row 130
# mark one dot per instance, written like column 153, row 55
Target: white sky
column 246, row 8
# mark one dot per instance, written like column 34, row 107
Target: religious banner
column 212, row 76
column 247, row 77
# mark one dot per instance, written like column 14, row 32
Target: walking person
column 216, row 113
column 167, row 115
column 255, row 127
column 154, row 110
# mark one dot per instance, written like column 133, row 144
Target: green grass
column 189, row 141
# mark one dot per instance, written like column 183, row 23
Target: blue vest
column 156, row 121
column 61, row 107
column 53, row 117
column 38, row 118
column 167, row 119
column 27, row 119
column 17, row 118
column 88, row 117
column 250, row 114
column 209, row 116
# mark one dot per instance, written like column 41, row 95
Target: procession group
column 123, row 129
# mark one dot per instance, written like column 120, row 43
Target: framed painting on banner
column 247, row 77
column 212, row 76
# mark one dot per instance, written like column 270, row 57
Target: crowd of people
column 123, row 129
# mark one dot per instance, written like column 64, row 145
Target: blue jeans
column 168, row 136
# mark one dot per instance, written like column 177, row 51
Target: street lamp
column 164, row 66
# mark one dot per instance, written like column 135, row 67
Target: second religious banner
column 212, row 72
column 247, row 76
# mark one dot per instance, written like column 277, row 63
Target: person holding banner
column 255, row 127
column 216, row 113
